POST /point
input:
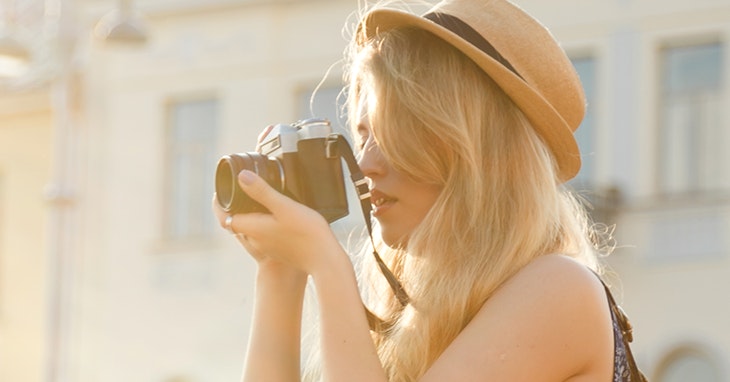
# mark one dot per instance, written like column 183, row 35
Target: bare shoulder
column 556, row 284
column 555, row 274
column 548, row 322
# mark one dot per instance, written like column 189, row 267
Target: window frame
column 168, row 230
column 588, row 181
column 661, row 190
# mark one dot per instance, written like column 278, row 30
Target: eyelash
column 362, row 142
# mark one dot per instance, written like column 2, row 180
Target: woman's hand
column 297, row 239
column 291, row 233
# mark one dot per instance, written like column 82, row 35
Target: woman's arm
column 300, row 238
column 274, row 345
column 275, row 335
column 348, row 352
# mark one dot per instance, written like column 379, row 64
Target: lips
column 381, row 202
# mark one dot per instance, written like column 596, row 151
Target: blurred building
column 113, row 269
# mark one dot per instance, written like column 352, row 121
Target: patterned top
column 621, row 369
column 624, row 364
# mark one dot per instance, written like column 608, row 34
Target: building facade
column 113, row 269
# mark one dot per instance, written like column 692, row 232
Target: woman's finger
column 256, row 188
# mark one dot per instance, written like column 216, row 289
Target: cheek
column 430, row 194
column 396, row 232
column 424, row 199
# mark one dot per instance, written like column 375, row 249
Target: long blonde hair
column 441, row 120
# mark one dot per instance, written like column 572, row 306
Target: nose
column 371, row 160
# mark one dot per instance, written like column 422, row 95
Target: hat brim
column 552, row 128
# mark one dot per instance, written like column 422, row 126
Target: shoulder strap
column 338, row 147
column 627, row 335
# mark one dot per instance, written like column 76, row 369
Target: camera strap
column 337, row 146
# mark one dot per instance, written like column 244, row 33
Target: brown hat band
column 463, row 30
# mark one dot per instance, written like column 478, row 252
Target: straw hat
column 517, row 52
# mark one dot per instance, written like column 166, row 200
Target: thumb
column 260, row 191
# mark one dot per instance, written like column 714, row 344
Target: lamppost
column 121, row 25
column 63, row 255
column 14, row 56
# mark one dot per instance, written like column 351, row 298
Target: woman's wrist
column 334, row 268
column 280, row 274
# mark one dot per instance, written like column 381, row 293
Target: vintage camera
column 300, row 160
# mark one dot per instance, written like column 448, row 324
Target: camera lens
column 230, row 196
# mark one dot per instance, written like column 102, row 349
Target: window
column 190, row 169
column 586, row 68
column 691, row 135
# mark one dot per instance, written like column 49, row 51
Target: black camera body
column 299, row 160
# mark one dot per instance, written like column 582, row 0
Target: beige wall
column 25, row 152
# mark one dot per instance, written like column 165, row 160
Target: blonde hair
column 440, row 119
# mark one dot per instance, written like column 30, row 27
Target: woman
column 464, row 120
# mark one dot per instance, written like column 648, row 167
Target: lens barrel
column 230, row 195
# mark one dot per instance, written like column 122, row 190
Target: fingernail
column 246, row 176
